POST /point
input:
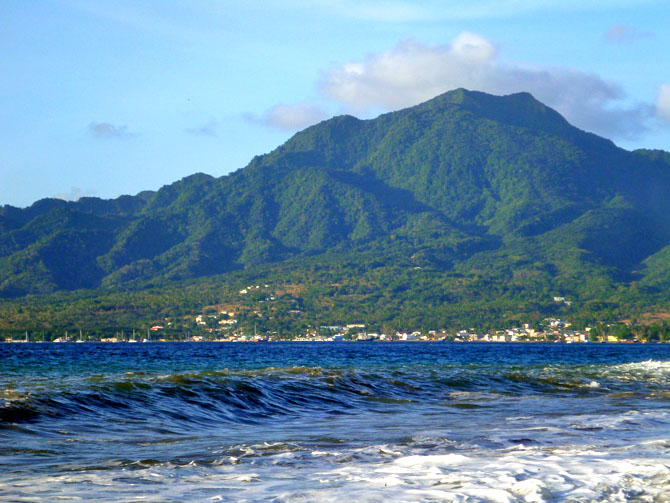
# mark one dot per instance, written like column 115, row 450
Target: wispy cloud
column 207, row 129
column 75, row 194
column 449, row 10
column 622, row 34
column 380, row 10
column 413, row 72
column 175, row 19
column 289, row 117
column 159, row 18
column 105, row 130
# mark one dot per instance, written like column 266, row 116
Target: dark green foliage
column 468, row 206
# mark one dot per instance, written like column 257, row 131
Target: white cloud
column 290, row 117
column 105, row 130
column 412, row 72
column 663, row 103
column 409, row 73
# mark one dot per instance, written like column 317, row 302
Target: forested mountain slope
column 464, row 182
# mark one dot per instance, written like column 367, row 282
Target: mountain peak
column 519, row 109
column 463, row 96
column 521, row 104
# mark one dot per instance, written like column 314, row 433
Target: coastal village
column 552, row 330
column 558, row 331
column 223, row 326
column 239, row 322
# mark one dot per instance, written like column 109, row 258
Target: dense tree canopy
column 464, row 208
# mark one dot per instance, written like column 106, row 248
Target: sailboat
column 60, row 339
column 257, row 338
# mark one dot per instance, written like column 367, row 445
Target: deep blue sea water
column 302, row 422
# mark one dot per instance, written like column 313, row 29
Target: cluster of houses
column 250, row 288
column 555, row 330
column 223, row 328
column 225, row 319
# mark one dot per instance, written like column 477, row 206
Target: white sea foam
column 649, row 371
column 533, row 474
column 518, row 474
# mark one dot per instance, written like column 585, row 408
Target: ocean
column 334, row 422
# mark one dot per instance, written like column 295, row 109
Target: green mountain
column 500, row 191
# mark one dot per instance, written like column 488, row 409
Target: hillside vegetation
column 468, row 203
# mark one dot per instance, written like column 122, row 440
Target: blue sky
column 113, row 97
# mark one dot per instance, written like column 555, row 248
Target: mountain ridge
column 463, row 179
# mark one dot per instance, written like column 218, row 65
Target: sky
column 110, row 97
